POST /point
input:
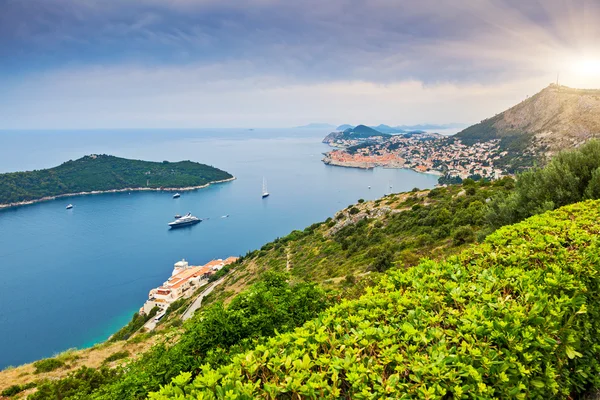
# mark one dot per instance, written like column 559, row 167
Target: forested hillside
column 101, row 173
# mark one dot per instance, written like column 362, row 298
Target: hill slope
column 515, row 317
column 369, row 237
column 554, row 119
column 104, row 173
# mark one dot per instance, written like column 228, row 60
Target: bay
column 71, row 278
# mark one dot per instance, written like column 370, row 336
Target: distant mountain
column 554, row 119
column 406, row 128
column 363, row 131
column 316, row 125
column 388, row 129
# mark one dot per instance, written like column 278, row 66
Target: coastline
column 371, row 165
column 168, row 189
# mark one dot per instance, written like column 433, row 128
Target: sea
column 71, row 278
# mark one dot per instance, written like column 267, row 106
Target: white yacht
column 69, row 206
column 187, row 219
column 176, row 195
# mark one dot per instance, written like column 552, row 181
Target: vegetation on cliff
column 515, row 317
column 103, row 173
column 372, row 236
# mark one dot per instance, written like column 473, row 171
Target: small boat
column 225, row 216
column 369, row 187
column 265, row 193
column 176, row 196
column 69, row 206
column 177, row 216
column 186, row 220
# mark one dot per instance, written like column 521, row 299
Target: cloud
column 230, row 95
column 95, row 49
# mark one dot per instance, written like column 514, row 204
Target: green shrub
column 513, row 318
column 462, row 235
column 16, row 389
column 77, row 385
column 354, row 211
column 350, row 280
column 47, row 365
column 11, row 390
column 119, row 355
column 570, row 177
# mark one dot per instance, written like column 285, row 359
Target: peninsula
column 100, row 173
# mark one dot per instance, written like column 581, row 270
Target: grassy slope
column 407, row 226
column 515, row 317
column 102, row 172
column 73, row 359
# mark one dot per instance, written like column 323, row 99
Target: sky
column 94, row 64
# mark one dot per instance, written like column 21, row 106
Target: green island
column 478, row 290
column 104, row 173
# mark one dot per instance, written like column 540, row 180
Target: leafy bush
column 47, row 365
column 570, row 177
column 354, row 211
column 119, row 355
column 15, row 389
column 515, row 317
column 462, row 235
column 77, row 385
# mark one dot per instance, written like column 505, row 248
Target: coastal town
column 182, row 283
column 422, row 152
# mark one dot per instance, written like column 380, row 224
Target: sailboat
column 264, row 190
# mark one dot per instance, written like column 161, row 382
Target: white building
column 184, row 280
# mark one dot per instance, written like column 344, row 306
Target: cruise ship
column 186, row 220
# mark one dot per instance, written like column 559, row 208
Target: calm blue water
column 72, row 278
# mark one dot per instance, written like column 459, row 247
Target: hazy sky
column 277, row 63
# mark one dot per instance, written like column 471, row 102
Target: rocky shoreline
column 169, row 189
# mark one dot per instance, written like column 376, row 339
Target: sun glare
column 587, row 68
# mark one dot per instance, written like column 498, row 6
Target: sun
column 587, row 67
